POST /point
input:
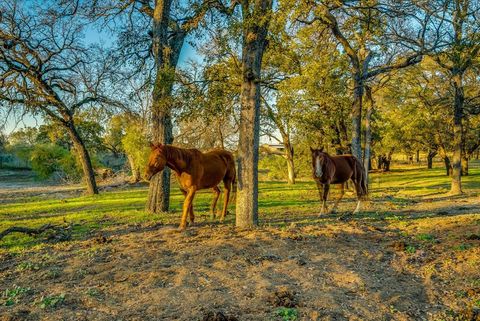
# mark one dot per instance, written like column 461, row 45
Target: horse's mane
column 177, row 153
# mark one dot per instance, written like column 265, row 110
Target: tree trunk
column 388, row 160
column 290, row 162
column 135, row 170
column 464, row 166
column 417, row 158
column 166, row 49
column 387, row 165
column 457, row 134
column 368, row 131
column 448, row 165
column 431, row 154
column 84, row 157
column 357, row 116
column 255, row 27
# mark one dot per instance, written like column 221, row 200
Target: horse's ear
column 311, row 149
column 321, row 149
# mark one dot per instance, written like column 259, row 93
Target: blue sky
column 93, row 36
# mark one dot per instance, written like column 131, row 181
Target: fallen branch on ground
column 60, row 233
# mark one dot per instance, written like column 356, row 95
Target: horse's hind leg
column 342, row 192
column 228, row 187
column 358, row 189
column 216, row 192
column 190, row 211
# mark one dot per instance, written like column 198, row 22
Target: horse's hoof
column 182, row 228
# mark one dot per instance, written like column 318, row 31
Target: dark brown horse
column 337, row 170
column 195, row 170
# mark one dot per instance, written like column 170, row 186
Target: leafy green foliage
column 287, row 314
column 51, row 301
column 273, row 166
column 426, row 237
column 410, row 249
column 47, row 159
column 135, row 143
column 11, row 296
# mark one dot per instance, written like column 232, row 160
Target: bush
column 135, row 144
column 47, row 159
column 274, row 167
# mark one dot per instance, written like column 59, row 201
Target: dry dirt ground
column 364, row 268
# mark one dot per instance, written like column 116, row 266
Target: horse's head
column 156, row 161
column 318, row 159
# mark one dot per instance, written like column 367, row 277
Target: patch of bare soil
column 343, row 271
column 21, row 184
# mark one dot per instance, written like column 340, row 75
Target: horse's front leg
column 323, row 192
column 190, row 210
column 326, row 188
column 187, row 207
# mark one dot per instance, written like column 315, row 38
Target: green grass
column 278, row 203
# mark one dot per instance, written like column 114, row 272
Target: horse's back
column 344, row 167
column 224, row 155
column 217, row 164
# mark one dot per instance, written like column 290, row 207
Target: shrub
column 135, row 143
column 274, row 167
column 47, row 159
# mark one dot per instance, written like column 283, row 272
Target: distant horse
column 337, row 170
column 195, row 170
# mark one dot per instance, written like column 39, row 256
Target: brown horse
column 337, row 170
column 195, row 170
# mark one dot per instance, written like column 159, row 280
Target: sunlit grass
column 277, row 201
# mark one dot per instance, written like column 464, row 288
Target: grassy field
column 278, row 202
column 412, row 254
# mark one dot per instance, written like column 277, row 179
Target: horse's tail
column 230, row 163
column 233, row 196
column 360, row 178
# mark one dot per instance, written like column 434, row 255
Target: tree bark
column 448, row 165
column 166, row 49
column 417, row 157
column 389, row 160
column 290, row 162
column 368, row 131
column 357, row 116
column 464, row 166
column 134, row 168
column 431, row 154
column 458, row 138
column 255, row 26
column 84, row 157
